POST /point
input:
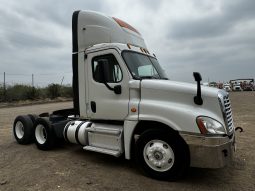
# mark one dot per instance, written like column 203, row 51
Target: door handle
column 93, row 106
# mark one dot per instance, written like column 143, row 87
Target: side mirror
column 103, row 76
column 197, row 76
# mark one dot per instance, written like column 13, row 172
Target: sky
column 215, row 38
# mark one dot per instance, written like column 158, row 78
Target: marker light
column 146, row 51
column 133, row 109
column 126, row 25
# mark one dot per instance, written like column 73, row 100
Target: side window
column 111, row 66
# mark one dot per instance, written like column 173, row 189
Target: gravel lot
column 69, row 167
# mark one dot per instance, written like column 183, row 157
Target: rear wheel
column 162, row 155
column 44, row 134
column 23, row 129
column 33, row 117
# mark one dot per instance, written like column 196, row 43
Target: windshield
column 142, row 66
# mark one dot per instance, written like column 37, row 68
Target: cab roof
column 96, row 28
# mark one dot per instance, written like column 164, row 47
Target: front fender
column 178, row 116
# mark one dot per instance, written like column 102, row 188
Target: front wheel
column 162, row 155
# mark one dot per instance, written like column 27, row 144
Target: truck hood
column 174, row 87
column 172, row 102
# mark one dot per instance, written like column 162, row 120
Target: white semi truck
column 124, row 105
column 227, row 87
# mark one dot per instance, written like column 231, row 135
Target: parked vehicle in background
column 227, row 87
column 220, row 85
column 213, row 84
column 248, row 86
column 237, row 87
column 205, row 84
column 242, row 84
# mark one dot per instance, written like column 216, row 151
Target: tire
column 162, row 155
column 23, row 129
column 33, row 117
column 44, row 134
column 56, row 118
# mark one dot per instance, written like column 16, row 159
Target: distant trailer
column 245, row 84
column 248, row 80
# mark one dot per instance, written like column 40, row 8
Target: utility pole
column 33, row 89
column 4, row 88
column 32, row 80
column 62, row 80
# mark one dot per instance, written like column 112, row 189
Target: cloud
column 218, row 23
column 215, row 38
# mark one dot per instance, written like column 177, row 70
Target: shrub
column 33, row 93
column 67, row 91
column 53, row 91
column 1, row 93
column 25, row 92
column 21, row 92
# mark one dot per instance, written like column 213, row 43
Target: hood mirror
column 198, row 98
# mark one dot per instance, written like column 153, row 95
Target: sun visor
column 95, row 28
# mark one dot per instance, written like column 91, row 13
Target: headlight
column 208, row 125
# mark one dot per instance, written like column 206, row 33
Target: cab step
column 103, row 150
column 105, row 138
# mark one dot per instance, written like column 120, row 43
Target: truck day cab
column 124, row 105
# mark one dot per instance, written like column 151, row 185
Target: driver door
column 102, row 102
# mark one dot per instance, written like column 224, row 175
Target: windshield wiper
column 148, row 77
column 151, row 77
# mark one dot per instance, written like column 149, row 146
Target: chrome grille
column 228, row 113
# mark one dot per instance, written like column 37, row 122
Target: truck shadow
column 192, row 176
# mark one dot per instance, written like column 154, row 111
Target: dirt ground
column 69, row 167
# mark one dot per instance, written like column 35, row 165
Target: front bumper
column 210, row 152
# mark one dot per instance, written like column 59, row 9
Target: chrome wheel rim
column 40, row 134
column 19, row 129
column 158, row 155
